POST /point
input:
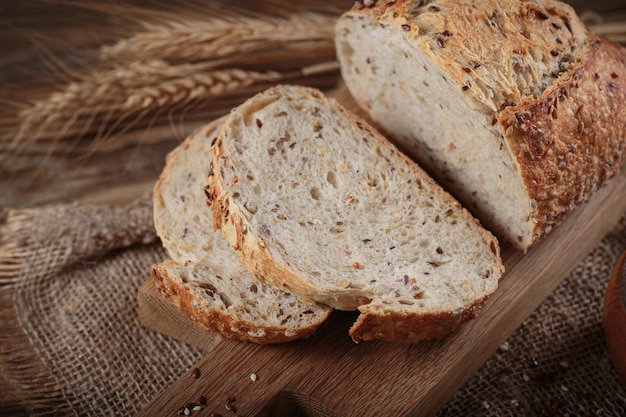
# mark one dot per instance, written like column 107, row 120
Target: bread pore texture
column 204, row 277
column 513, row 106
column 317, row 202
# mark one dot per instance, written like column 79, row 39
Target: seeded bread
column 204, row 278
column 513, row 106
column 317, row 202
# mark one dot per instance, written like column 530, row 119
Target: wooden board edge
column 156, row 313
column 533, row 275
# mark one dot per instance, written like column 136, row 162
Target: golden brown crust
column 189, row 298
column 532, row 38
column 256, row 254
column 215, row 320
column 252, row 251
column 395, row 326
column 556, row 91
column 569, row 141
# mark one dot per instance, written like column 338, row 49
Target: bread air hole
column 251, row 116
column 331, row 178
column 239, row 149
column 250, row 206
column 227, row 302
column 285, row 320
column 315, row 193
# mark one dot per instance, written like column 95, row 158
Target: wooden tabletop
column 24, row 55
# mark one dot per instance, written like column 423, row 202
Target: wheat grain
column 193, row 86
column 215, row 39
column 181, row 65
column 103, row 100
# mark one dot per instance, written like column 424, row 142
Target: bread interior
column 432, row 120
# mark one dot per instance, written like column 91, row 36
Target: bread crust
column 252, row 250
column 215, row 321
column 566, row 129
column 570, row 141
column 256, row 254
column 409, row 328
column 483, row 46
column 182, row 221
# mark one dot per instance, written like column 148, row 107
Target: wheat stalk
column 216, row 40
column 107, row 104
column 176, row 65
column 105, row 101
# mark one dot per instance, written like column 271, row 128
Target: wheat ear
column 215, row 39
column 106, row 101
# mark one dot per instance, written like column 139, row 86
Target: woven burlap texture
column 71, row 342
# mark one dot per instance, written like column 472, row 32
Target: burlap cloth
column 71, row 342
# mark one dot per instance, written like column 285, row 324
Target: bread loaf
column 204, row 278
column 317, row 202
column 513, row 106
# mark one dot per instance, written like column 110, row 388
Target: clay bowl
column 615, row 317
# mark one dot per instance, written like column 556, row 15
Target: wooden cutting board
column 329, row 375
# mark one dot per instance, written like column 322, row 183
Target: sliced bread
column 513, row 106
column 317, row 202
column 204, row 278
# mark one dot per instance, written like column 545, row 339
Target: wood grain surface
column 335, row 376
column 70, row 33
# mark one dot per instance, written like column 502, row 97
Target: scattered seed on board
column 254, row 377
column 195, row 373
column 230, row 406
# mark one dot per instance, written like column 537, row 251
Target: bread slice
column 182, row 218
column 316, row 201
column 204, row 278
column 513, row 106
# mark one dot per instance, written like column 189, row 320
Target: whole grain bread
column 513, row 106
column 204, row 278
column 317, row 202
